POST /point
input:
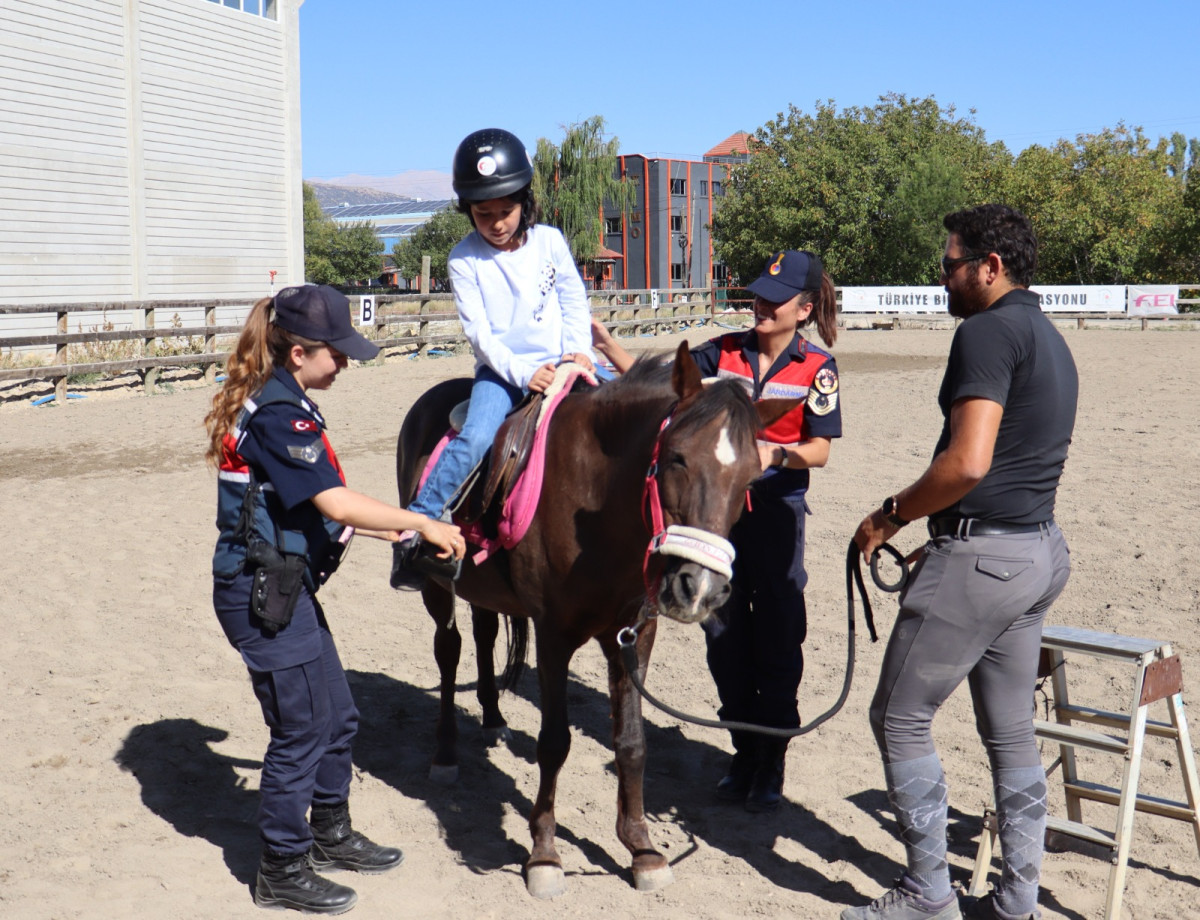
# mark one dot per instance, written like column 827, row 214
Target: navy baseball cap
column 317, row 311
column 786, row 274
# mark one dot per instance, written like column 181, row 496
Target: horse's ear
column 685, row 375
column 770, row 410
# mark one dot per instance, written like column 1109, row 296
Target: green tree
column 337, row 254
column 1109, row 208
column 435, row 238
column 356, row 253
column 574, row 180
column 319, row 231
column 865, row 188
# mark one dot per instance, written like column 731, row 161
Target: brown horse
column 581, row 571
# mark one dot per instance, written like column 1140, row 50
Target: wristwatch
column 889, row 509
column 783, row 462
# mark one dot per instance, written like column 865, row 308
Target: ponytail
column 260, row 348
column 824, row 311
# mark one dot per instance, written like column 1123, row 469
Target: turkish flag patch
column 303, row 424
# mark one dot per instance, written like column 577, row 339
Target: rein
column 691, row 543
column 627, row 641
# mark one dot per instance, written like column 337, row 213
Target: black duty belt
column 974, row 527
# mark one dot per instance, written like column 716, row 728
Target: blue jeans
column 492, row 398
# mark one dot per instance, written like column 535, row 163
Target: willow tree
column 575, row 179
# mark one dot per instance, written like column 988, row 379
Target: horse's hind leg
column 651, row 870
column 447, row 647
column 485, row 625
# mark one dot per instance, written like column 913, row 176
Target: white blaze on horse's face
column 726, row 455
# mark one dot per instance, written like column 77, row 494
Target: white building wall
column 149, row 149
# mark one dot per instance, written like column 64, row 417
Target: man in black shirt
column 995, row 563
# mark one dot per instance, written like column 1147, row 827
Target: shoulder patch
column 303, row 424
column 822, row 403
column 309, row 453
column 826, row 381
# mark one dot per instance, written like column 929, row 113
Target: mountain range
column 424, row 184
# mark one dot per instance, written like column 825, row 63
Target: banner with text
column 1092, row 298
column 893, row 300
column 1081, row 298
column 1149, row 299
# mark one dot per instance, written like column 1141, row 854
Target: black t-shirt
column 1012, row 354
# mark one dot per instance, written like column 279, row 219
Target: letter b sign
column 366, row 311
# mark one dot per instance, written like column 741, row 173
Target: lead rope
column 627, row 641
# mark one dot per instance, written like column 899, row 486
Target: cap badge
column 777, row 266
column 486, row 165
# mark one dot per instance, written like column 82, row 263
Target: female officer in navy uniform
column 754, row 647
column 285, row 515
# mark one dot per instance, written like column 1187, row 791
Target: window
column 267, row 9
column 676, row 271
column 702, row 187
column 720, row 272
column 612, row 225
column 676, row 223
column 679, row 186
column 718, row 189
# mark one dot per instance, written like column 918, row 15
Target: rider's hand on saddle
column 542, row 378
column 446, row 537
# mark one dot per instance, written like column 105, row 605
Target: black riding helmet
column 491, row 163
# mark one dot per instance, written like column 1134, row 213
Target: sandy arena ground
column 132, row 741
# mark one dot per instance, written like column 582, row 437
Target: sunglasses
column 948, row 264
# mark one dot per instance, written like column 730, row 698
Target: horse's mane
column 650, row 379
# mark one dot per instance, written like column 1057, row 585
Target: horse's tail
column 517, row 631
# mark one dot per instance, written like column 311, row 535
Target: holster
column 278, row 582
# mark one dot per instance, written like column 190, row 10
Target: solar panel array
column 388, row 209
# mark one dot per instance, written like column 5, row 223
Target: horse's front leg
column 447, row 647
column 543, row 872
column 485, row 625
column 651, row 870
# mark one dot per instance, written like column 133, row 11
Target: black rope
column 627, row 640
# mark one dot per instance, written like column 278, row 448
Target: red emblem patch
column 303, row 424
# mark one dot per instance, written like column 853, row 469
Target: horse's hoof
column 495, row 737
column 444, row 776
column 545, row 882
column 653, row 879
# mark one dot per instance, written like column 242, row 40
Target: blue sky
column 393, row 85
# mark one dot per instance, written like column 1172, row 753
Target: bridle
column 692, row 543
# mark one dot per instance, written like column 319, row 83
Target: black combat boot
column 766, row 788
column 336, row 845
column 289, row 881
column 734, row 786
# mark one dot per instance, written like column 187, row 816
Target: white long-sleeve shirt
column 520, row 309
